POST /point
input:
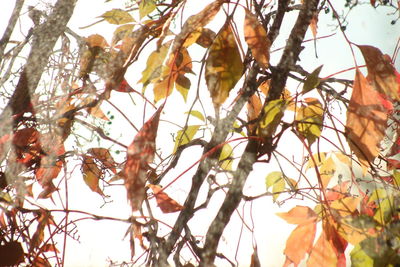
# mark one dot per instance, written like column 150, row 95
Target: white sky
column 101, row 240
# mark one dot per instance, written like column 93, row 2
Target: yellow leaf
column 225, row 157
column 185, row 136
column 146, row 7
column 273, row 113
column 117, row 16
column 327, row 170
column 153, row 64
column 196, row 114
column 256, row 38
column 122, row 32
column 310, row 118
column 224, row 66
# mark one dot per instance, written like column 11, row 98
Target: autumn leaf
column 314, row 24
column 117, row 16
column 154, row 65
column 164, row 202
column 381, row 72
column 256, row 38
column 140, row 153
column 366, row 121
column 322, row 252
column 312, row 80
column 299, row 215
column 254, row 107
column 91, row 174
column 195, row 22
column 276, row 181
column 206, row 37
column 310, row 117
column 121, row 32
column 299, row 243
column 273, row 113
column 185, row 136
column 224, row 66
column 146, row 7
column 11, row 253
column 104, row 156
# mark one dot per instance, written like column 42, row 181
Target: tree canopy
column 187, row 108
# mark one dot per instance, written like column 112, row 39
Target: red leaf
column 165, row 203
column 140, row 154
column 124, row 87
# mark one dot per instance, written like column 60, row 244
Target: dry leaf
column 224, row 66
column 91, row 174
column 164, row 202
column 256, row 38
column 366, row 120
column 381, row 72
column 140, row 154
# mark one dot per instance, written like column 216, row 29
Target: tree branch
column 249, row 157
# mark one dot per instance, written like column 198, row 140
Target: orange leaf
column 314, row 24
column 256, row 38
column 96, row 40
column 381, row 72
column 322, row 252
column 91, row 174
column 140, row 154
column 366, row 120
column 254, row 107
column 299, row 215
column 300, row 242
column 165, row 203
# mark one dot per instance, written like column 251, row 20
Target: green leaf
column 117, row 16
column 310, row 117
column 224, row 66
column 312, row 80
column 196, row 114
column 359, row 258
column 225, row 157
column 146, row 7
column 185, row 136
column 273, row 113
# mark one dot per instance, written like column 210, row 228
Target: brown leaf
column 96, row 40
column 256, row 38
column 194, row 22
column 224, row 66
column 164, row 202
column 255, row 261
column 91, row 174
column 381, row 72
column 206, row 38
column 104, row 156
column 140, row 154
column 299, row 215
column 366, row 120
column 254, row 107
column 300, row 242
column 11, row 254
column 314, row 24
